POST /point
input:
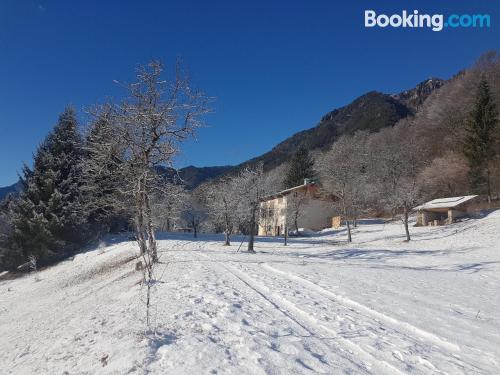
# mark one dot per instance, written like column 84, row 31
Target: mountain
column 192, row 176
column 414, row 98
column 14, row 189
column 371, row 112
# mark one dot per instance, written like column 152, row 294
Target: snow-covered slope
column 379, row 305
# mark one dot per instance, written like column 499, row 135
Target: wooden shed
column 443, row 211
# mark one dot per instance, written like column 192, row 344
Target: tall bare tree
column 341, row 172
column 396, row 161
column 222, row 201
column 150, row 123
column 251, row 185
column 147, row 128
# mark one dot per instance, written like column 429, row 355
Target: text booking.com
column 435, row 22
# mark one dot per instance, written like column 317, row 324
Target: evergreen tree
column 48, row 217
column 300, row 168
column 107, row 209
column 480, row 143
column 10, row 256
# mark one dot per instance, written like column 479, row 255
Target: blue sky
column 275, row 67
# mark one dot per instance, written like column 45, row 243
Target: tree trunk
column 150, row 230
column 140, row 234
column 252, row 232
column 488, row 185
column 226, row 235
column 349, row 237
column 195, row 231
column 406, row 223
column 140, row 219
column 139, row 225
column 286, row 235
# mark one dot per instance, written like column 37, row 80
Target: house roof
column 450, row 202
column 288, row 191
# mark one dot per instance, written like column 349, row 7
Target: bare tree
column 395, row 163
column 295, row 203
column 445, row 175
column 168, row 205
column 157, row 115
column 222, row 201
column 251, row 185
column 147, row 127
column 195, row 210
column 341, row 172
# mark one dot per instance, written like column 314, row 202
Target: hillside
column 12, row 189
column 426, row 307
column 194, row 176
column 371, row 112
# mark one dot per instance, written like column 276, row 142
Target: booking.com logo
column 436, row 22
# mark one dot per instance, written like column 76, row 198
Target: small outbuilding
column 443, row 211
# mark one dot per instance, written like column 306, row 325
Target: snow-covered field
column 379, row 306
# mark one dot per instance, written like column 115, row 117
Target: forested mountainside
column 371, row 111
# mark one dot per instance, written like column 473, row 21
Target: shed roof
column 450, row 202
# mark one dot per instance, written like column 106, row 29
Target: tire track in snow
column 404, row 326
column 312, row 325
column 406, row 330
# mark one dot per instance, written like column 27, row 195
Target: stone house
column 277, row 211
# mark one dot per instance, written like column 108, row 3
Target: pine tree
column 300, row 168
column 480, row 143
column 48, row 217
column 106, row 207
column 10, row 256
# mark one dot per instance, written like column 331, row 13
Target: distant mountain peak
column 415, row 97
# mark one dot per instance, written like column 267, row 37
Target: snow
column 319, row 305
